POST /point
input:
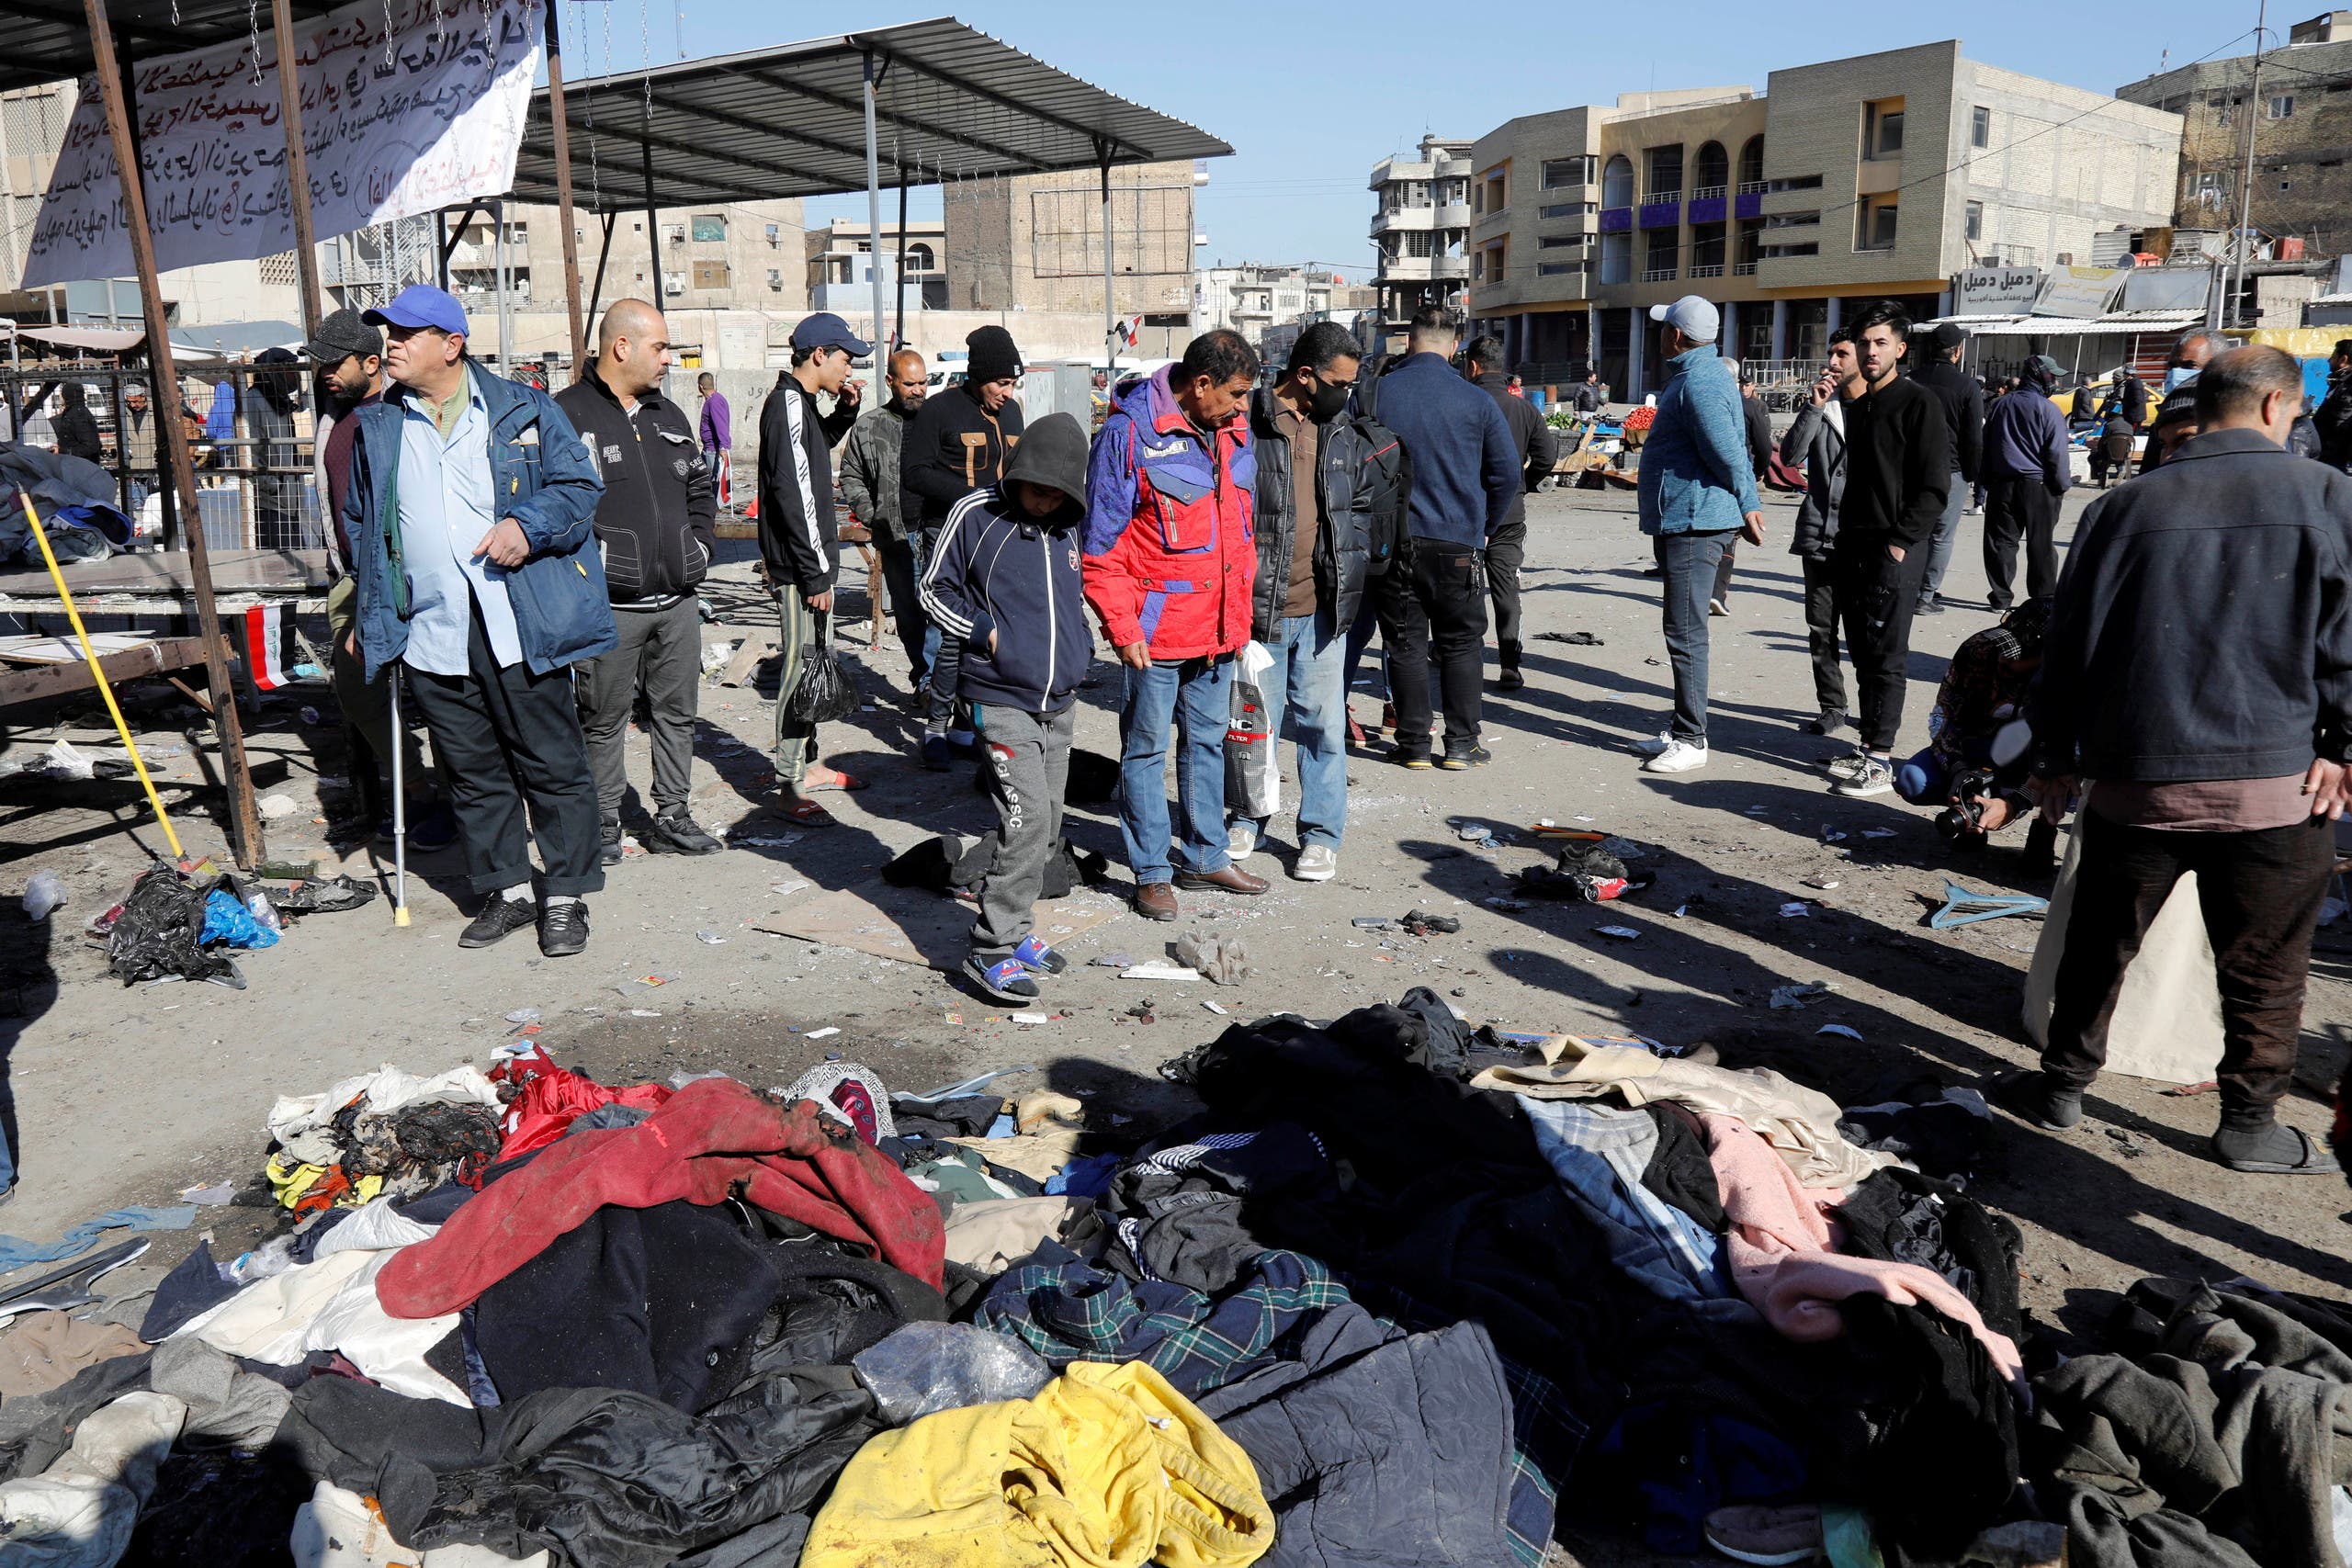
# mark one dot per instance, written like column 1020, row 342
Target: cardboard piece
column 914, row 926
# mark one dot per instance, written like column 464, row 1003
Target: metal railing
column 1743, row 269
column 1702, row 269
column 1658, row 274
column 1708, row 193
column 1660, row 198
column 1753, row 187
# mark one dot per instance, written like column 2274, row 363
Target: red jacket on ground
column 713, row 1139
column 1170, row 552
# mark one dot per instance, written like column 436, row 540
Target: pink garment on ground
column 553, row 1098
column 1780, row 1247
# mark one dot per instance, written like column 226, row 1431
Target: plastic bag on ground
column 1221, row 958
column 43, row 893
column 925, row 1368
column 156, row 935
column 227, row 921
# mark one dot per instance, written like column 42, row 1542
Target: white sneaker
column 1875, row 776
column 1717, row 607
column 1316, row 863
column 1845, row 767
column 1654, row 745
column 1679, row 757
column 1241, row 840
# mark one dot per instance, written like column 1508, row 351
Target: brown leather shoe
column 1156, row 901
column 1232, row 879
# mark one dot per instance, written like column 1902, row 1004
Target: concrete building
column 1420, row 225
column 1872, row 177
column 1250, row 299
column 2301, row 118
column 841, row 266
column 1034, row 244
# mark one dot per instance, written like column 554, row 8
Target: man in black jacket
column 2334, row 415
column 798, row 532
column 1897, row 479
column 1963, row 403
column 2220, row 752
column 655, row 524
column 77, row 428
column 1507, row 545
column 959, row 441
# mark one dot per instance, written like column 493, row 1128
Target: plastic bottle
column 43, row 893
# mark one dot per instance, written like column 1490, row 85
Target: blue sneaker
column 1007, row 980
column 1037, row 958
column 935, row 754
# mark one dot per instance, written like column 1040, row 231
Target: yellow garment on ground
column 1109, row 1467
column 290, row 1179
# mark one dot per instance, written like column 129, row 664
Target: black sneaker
column 1928, row 607
column 608, row 846
column 1508, row 679
column 1007, row 979
column 1464, row 761
column 2042, row 1099
column 1829, row 721
column 500, row 918
column 1404, row 757
column 563, row 928
column 679, row 835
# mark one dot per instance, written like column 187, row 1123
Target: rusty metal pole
column 297, row 162
column 246, row 841
column 561, row 124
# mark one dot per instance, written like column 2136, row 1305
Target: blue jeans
column 1947, row 533
column 1303, row 685
column 1194, row 697
column 1689, row 562
column 1923, row 780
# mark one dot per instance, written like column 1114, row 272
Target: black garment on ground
column 1681, row 1171
column 601, row 1478
column 1181, row 1208
column 1940, row 1456
column 1941, row 1137
column 935, row 864
column 1901, row 1216
column 1378, row 1449
column 195, row 1287
column 660, row 1302
column 219, row 1508
column 967, row 1116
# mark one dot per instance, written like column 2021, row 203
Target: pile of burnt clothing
column 386, row 1134
column 2216, row 1430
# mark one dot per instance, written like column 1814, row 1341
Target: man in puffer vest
column 1171, row 559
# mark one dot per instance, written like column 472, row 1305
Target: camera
column 1965, row 821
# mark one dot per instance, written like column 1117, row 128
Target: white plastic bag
column 43, row 893
column 1253, row 775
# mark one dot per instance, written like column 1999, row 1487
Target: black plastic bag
column 157, row 935
column 323, row 894
column 825, row 692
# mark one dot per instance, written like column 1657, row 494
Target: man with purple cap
column 798, row 532
column 471, row 513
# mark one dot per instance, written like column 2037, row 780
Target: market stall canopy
column 791, row 121
column 48, row 40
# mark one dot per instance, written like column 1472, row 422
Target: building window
column 1751, row 165
column 775, row 279
column 1874, row 225
column 1793, row 182
column 918, row 258
column 1563, row 242
column 1658, row 264
column 1665, row 182
column 1561, row 172
column 1494, row 190
column 2282, row 107
column 1975, row 220
column 1980, row 127
column 710, row 274
column 710, row 228
column 1417, row 242
column 776, row 233
column 1791, row 220
column 1556, row 269
column 1775, row 253
column 1568, row 210
column 1617, row 258
column 1883, row 129
column 1617, row 182
column 1710, row 173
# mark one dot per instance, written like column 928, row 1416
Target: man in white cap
column 1698, row 492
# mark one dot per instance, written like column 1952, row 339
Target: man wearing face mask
column 2188, row 357
column 1328, row 481
column 958, row 442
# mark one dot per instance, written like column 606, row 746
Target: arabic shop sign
column 406, row 108
column 1997, row 290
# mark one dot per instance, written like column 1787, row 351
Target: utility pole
column 2245, row 178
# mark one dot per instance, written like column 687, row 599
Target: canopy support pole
column 874, row 69
column 245, row 843
column 297, row 164
column 604, row 254
column 561, row 126
column 652, row 216
column 1110, row 303
column 899, row 325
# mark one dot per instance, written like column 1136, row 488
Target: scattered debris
column 1222, row 959
column 521, row 1016
column 783, row 886
column 2183, row 1091
column 825, row 1033
column 1832, row 835
column 1157, row 971
column 1420, row 922
column 1216, row 1008
column 1577, row 639
column 1029, row 1016
column 44, row 893
column 216, row 1196
column 1878, row 832
column 643, row 983
column 1111, row 961
column 2130, row 1148
column 1965, row 906
column 711, row 939
column 1840, row 1029
column 1797, row 996
column 1623, row 933
column 1825, row 884
column 274, row 807
column 1796, row 909
column 1509, row 906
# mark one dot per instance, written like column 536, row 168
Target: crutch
column 400, row 805
column 98, row 674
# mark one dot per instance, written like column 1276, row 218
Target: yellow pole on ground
column 98, row 674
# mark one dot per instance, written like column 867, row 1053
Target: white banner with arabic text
column 407, row 106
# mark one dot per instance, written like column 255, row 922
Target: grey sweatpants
column 661, row 650
column 796, row 740
column 1028, row 759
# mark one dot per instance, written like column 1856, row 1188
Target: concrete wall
column 2302, row 180
column 2063, row 166
column 1033, row 243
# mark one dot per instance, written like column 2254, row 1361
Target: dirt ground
column 129, row 1095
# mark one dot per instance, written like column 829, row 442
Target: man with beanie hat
column 1005, row 583
column 2026, row 471
column 957, row 442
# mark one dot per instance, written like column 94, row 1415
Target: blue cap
column 825, row 329
column 422, row 304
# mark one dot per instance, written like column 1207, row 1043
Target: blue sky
column 1312, row 95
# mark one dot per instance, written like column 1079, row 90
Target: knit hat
column 994, row 356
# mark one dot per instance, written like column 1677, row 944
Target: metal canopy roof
column 791, row 121
column 48, row 40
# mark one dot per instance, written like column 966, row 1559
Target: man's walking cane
column 399, row 806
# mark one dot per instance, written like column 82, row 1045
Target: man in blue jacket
column 470, row 512
column 2027, row 472
column 1698, row 489
column 1465, row 476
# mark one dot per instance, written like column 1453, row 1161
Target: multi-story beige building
column 1033, row 243
column 1420, row 226
column 2301, row 121
column 841, row 266
column 1873, row 177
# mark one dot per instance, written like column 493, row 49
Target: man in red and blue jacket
column 1170, row 561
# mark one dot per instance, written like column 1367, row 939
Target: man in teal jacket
column 1698, row 489
column 470, row 513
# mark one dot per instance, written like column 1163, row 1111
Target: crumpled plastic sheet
column 1220, row 958
column 925, row 1368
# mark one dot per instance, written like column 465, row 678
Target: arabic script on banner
column 406, row 109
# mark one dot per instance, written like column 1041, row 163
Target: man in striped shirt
column 798, row 532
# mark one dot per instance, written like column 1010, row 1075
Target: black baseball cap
column 342, row 334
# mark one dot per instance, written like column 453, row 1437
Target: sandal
column 808, row 814
column 841, row 781
column 2265, row 1154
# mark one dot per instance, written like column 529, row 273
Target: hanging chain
column 252, row 30
column 391, row 28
